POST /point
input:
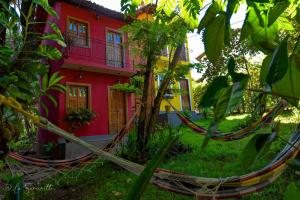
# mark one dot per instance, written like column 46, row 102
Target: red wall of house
column 99, row 82
column 99, row 100
column 96, row 53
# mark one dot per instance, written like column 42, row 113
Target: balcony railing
column 96, row 51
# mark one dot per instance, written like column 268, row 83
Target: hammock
column 237, row 135
column 78, row 161
column 232, row 186
column 212, row 188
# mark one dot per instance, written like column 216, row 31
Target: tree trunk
column 142, row 136
column 162, row 89
column 147, row 119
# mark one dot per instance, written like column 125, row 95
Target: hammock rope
column 80, row 160
column 236, row 135
column 216, row 188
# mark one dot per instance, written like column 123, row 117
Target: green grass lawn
column 103, row 180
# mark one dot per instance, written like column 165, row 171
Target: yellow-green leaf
column 214, row 38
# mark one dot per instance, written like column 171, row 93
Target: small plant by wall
column 80, row 118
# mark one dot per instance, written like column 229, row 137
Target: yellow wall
column 161, row 64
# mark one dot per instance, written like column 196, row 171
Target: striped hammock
column 230, row 187
column 80, row 160
column 237, row 135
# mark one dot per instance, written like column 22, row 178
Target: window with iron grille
column 114, row 49
column 168, row 91
column 77, row 33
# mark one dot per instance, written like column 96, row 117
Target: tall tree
column 149, row 37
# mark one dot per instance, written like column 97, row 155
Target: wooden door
column 185, row 94
column 117, row 111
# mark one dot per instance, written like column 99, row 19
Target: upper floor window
column 114, row 49
column 168, row 91
column 77, row 33
column 77, row 97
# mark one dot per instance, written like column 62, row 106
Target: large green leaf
column 229, row 98
column 54, row 79
column 257, row 147
column 209, row 97
column 275, row 11
column 45, row 82
column 289, row 84
column 55, row 38
column 214, row 38
column 264, row 70
column 246, row 28
column 279, row 63
column 285, row 24
column 49, row 52
column 236, row 77
column 141, row 183
column 56, row 29
column 292, row 192
column 231, row 8
column 264, row 38
column 210, row 14
column 59, row 87
column 44, row 4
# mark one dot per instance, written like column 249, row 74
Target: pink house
column 93, row 61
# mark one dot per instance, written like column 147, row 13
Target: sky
column 196, row 46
